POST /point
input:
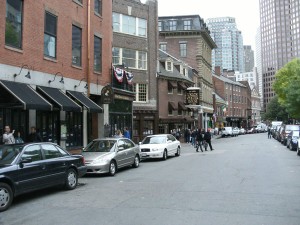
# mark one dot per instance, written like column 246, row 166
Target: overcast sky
column 245, row 12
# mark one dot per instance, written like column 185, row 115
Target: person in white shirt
column 8, row 138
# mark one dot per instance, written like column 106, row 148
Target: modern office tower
column 248, row 58
column 280, row 39
column 229, row 53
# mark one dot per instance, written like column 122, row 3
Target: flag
column 129, row 77
column 118, row 74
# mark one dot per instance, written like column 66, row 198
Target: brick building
column 187, row 38
column 174, row 77
column 238, row 97
column 65, row 45
column 135, row 42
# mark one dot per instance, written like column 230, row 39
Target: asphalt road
column 246, row 180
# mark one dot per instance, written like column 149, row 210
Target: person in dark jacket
column 34, row 136
column 207, row 138
column 199, row 140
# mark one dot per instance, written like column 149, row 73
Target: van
column 226, row 131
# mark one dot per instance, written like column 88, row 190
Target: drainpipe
column 88, row 45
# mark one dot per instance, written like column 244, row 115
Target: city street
column 246, row 180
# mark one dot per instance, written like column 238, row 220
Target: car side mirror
column 140, row 143
column 25, row 160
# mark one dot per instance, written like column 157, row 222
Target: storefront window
column 47, row 124
column 74, row 129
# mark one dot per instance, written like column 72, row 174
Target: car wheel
column 71, row 179
column 178, row 152
column 136, row 162
column 112, row 168
column 165, row 155
column 6, row 196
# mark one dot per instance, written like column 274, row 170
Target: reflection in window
column 97, row 54
column 50, row 35
column 76, row 45
column 74, row 129
column 32, row 152
column 98, row 6
column 13, row 26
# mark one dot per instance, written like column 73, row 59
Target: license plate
column 144, row 154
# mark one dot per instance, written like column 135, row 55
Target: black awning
column 182, row 85
column 24, row 96
column 182, row 106
column 172, row 106
column 59, row 99
column 172, row 84
column 85, row 101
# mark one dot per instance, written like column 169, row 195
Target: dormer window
column 169, row 66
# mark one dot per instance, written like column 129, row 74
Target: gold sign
column 107, row 95
column 192, row 97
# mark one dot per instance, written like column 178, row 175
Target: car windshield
column 295, row 134
column 8, row 153
column 292, row 127
column 100, row 146
column 154, row 140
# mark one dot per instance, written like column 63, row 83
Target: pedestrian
column 187, row 135
column 126, row 133
column 207, row 138
column 18, row 139
column 8, row 137
column 34, row 136
column 199, row 140
column 269, row 133
column 118, row 134
column 193, row 137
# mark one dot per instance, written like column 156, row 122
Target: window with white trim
column 183, row 49
column 187, row 25
column 129, row 25
column 172, row 25
column 163, row 47
column 141, row 92
column 169, row 66
column 50, row 35
column 130, row 58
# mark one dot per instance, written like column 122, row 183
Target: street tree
column 287, row 87
column 275, row 111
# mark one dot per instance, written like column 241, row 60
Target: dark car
column 292, row 140
column 286, row 129
column 29, row 167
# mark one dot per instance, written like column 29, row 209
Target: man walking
column 207, row 138
column 199, row 140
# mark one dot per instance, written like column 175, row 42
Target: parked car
column 107, row 155
column 235, row 131
column 250, row 130
column 159, row 146
column 242, row 131
column 292, row 140
column 286, row 129
column 29, row 167
column 226, row 131
column 298, row 147
column 261, row 128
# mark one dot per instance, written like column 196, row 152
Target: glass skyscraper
column 229, row 53
column 280, row 39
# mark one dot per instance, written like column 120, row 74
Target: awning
column 85, row 101
column 182, row 85
column 59, row 98
column 173, row 84
column 24, row 96
column 172, row 105
column 182, row 106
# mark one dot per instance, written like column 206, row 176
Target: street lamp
column 28, row 73
column 61, row 80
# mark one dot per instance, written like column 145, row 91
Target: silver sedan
column 107, row 155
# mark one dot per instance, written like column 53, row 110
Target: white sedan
column 159, row 146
